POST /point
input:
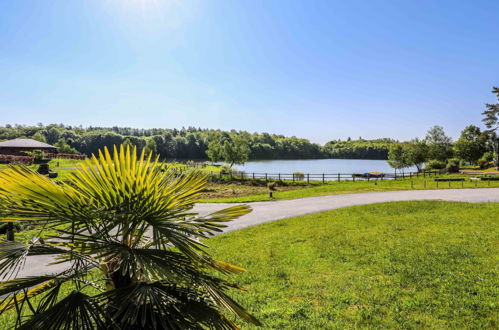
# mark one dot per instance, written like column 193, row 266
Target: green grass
column 346, row 187
column 392, row 265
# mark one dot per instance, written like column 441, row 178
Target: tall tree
column 232, row 150
column 491, row 120
column 471, row 145
column 415, row 153
column 396, row 157
column 439, row 144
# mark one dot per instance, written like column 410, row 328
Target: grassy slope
column 345, row 187
column 391, row 265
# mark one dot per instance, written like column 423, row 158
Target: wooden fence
column 321, row 177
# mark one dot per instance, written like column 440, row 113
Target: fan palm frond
column 131, row 219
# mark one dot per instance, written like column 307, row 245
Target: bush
column 299, row 176
column 486, row 159
column 435, row 164
column 12, row 159
column 453, row 165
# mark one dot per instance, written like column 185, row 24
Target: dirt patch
column 220, row 190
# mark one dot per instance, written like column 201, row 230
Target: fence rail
column 308, row 177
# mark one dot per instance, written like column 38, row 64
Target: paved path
column 282, row 209
column 270, row 211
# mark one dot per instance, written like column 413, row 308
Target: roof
column 26, row 144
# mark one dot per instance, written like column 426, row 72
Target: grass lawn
column 241, row 194
column 391, row 265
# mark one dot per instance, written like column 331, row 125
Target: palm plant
column 125, row 227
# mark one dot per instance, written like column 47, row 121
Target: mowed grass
column 347, row 187
column 392, row 265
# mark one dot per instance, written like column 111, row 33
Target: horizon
column 326, row 71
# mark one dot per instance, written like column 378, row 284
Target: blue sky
column 316, row 69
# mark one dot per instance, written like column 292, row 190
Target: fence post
column 338, row 177
column 323, row 179
column 293, row 177
column 308, row 177
column 266, row 178
column 253, row 175
column 353, row 178
column 279, row 175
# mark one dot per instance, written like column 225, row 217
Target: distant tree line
column 185, row 143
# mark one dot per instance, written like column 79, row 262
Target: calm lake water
column 318, row 166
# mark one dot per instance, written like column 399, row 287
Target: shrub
column 435, row 164
column 486, row 159
column 453, row 165
column 13, row 159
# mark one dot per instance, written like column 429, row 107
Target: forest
column 192, row 143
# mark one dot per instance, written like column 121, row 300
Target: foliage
column 359, row 149
column 453, row 165
column 128, row 219
column 38, row 136
column 439, row 144
column 396, row 157
column 491, row 120
column 232, row 150
column 471, row 144
column 8, row 159
column 151, row 147
column 435, row 164
column 485, row 160
column 65, row 148
column 406, row 154
column 404, row 265
column 185, row 143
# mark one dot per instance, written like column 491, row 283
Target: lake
column 318, row 166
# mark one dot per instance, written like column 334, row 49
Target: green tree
column 471, row 145
column 406, row 154
column 125, row 227
column 232, row 150
column 53, row 134
column 150, row 147
column 415, row 153
column 39, row 137
column 64, row 147
column 439, row 144
column 396, row 157
column 127, row 144
column 491, row 121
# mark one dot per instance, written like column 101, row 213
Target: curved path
column 282, row 209
column 276, row 210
